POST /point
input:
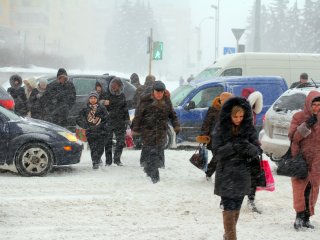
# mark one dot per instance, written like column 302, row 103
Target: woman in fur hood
column 236, row 147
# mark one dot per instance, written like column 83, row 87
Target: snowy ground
column 121, row 203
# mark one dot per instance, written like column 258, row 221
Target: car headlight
column 68, row 136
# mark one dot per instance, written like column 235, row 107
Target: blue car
column 34, row 146
column 191, row 101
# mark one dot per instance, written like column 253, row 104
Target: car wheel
column 34, row 159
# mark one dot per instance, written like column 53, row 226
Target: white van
column 287, row 65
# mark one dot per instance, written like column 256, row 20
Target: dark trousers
column 144, row 156
column 96, row 144
column 211, row 166
column 231, row 204
column 120, row 143
column 153, row 160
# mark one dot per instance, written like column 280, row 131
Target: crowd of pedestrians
column 228, row 130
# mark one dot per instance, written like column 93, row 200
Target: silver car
column 274, row 135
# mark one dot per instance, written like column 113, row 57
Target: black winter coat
column 57, row 101
column 35, row 104
column 92, row 129
column 19, row 96
column 232, row 178
column 151, row 120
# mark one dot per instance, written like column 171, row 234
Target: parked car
column 187, row 98
column 34, row 146
column 274, row 135
column 84, row 84
column 6, row 100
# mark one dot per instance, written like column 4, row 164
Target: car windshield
column 292, row 102
column 9, row 114
column 208, row 73
column 179, row 94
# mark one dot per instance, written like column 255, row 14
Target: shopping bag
column 200, row 157
column 292, row 167
column 129, row 138
column 269, row 180
column 81, row 134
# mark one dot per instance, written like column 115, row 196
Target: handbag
column 269, row 180
column 200, row 157
column 292, row 167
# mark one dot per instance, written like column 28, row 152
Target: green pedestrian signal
column 157, row 50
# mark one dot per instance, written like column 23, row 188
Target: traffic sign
column 157, row 50
column 229, row 50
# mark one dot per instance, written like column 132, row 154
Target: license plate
column 280, row 131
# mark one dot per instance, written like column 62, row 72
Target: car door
column 192, row 114
column 3, row 140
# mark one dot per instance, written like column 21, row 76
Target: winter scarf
column 92, row 118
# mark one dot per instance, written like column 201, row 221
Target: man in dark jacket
column 303, row 82
column 134, row 79
column 143, row 90
column 58, row 99
column 151, row 120
column 116, row 106
column 18, row 94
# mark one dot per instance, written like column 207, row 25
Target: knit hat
column 159, row 86
column 246, row 92
column 94, row 94
column 61, row 71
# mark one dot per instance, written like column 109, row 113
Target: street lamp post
column 216, row 33
column 198, row 29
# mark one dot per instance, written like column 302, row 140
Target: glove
column 203, row 139
column 177, row 130
column 252, row 150
column 311, row 121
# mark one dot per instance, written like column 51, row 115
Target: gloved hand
column 312, row 120
column 177, row 130
column 252, row 150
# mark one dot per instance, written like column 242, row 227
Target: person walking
column 94, row 119
column 151, row 121
column 208, row 125
column 36, row 108
column 58, row 99
column 134, row 79
column 143, row 90
column 235, row 145
column 255, row 100
column 18, row 94
column 303, row 82
column 304, row 135
column 116, row 106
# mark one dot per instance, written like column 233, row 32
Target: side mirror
column 190, row 105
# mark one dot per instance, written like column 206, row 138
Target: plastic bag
column 81, row 134
column 268, row 177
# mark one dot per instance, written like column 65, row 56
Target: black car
column 34, row 146
column 84, row 84
column 6, row 100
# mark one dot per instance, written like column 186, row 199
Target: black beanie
column 61, row 71
column 159, row 86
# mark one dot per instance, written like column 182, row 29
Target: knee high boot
column 229, row 222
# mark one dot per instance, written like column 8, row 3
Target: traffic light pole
column 150, row 51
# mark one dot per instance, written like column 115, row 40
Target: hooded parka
column 19, row 96
column 308, row 141
column 232, row 177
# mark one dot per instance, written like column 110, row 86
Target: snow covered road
column 121, row 203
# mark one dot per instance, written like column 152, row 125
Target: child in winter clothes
column 93, row 119
column 18, row 94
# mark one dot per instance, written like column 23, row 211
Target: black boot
column 306, row 221
column 300, row 218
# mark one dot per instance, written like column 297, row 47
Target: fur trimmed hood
column 256, row 101
column 225, row 121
